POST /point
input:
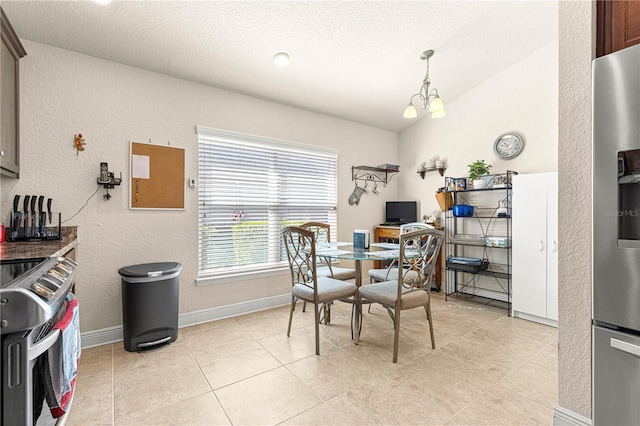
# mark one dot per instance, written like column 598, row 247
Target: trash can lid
column 150, row 269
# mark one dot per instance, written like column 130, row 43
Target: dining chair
column 300, row 245
column 322, row 232
column 391, row 271
column 419, row 249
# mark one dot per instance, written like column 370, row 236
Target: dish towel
column 62, row 361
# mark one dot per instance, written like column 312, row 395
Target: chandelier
column 428, row 99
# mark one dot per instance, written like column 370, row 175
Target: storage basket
column 463, row 210
column 445, row 199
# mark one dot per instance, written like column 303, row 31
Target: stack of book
column 392, row 167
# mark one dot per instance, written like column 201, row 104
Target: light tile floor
column 487, row 369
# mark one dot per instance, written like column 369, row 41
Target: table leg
column 357, row 317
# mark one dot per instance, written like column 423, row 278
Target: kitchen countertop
column 34, row 249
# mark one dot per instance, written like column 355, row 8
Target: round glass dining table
column 346, row 251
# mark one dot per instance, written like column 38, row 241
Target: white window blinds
column 250, row 188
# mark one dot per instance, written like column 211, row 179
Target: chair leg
column 327, row 313
column 293, row 307
column 356, row 314
column 317, row 321
column 427, row 307
column 304, row 306
column 396, row 322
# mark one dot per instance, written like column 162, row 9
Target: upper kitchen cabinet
column 12, row 51
column 618, row 25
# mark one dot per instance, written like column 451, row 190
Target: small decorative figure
column 238, row 215
column 79, row 142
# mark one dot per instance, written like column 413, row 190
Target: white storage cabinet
column 535, row 247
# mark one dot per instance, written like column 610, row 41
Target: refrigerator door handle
column 625, row 347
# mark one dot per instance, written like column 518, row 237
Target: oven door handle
column 44, row 344
column 47, row 341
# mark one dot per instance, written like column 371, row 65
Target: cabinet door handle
column 555, row 246
column 541, row 244
column 625, row 347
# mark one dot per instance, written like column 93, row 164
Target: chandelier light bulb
column 438, row 114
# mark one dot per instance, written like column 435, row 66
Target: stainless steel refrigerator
column 616, row 238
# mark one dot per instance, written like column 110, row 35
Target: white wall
column 64, row 93
column 522, row 99
column 577, row 50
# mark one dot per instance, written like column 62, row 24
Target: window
column 250, row 188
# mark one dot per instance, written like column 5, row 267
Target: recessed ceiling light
column 102, row 2
column 281, row 59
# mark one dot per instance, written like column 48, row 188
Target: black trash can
column 150, row 305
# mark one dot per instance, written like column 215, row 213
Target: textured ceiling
column 358, row 60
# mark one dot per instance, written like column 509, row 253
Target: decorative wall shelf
column 424, row 169
column 372, row 174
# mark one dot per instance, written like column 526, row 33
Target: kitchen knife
column 25, row 214
column 17, row 218
column 49, row 209
column 43, row 216
column 33, row 215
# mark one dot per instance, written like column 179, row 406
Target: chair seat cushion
column 386, row 293
column 391, row 274
column 328, row 289
column 338, row 273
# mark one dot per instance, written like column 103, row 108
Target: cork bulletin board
column 157, row 177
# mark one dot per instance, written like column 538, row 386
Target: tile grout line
column 506, row 375
column 213, row 392
column 453, row 340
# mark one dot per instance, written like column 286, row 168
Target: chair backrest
column 301, row 254
column 419, row 249
column 413, row 226
column 322, row 234
column 320, row 230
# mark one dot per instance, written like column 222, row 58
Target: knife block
column 49, row 233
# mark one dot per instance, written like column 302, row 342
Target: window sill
column 207, row 280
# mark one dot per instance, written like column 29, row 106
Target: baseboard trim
column 564, row 417
column 100, row 337
column 535, row 318
column 114, row 334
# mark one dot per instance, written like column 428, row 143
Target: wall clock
column 508, row 146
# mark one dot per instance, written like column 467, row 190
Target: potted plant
column 478, row 169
